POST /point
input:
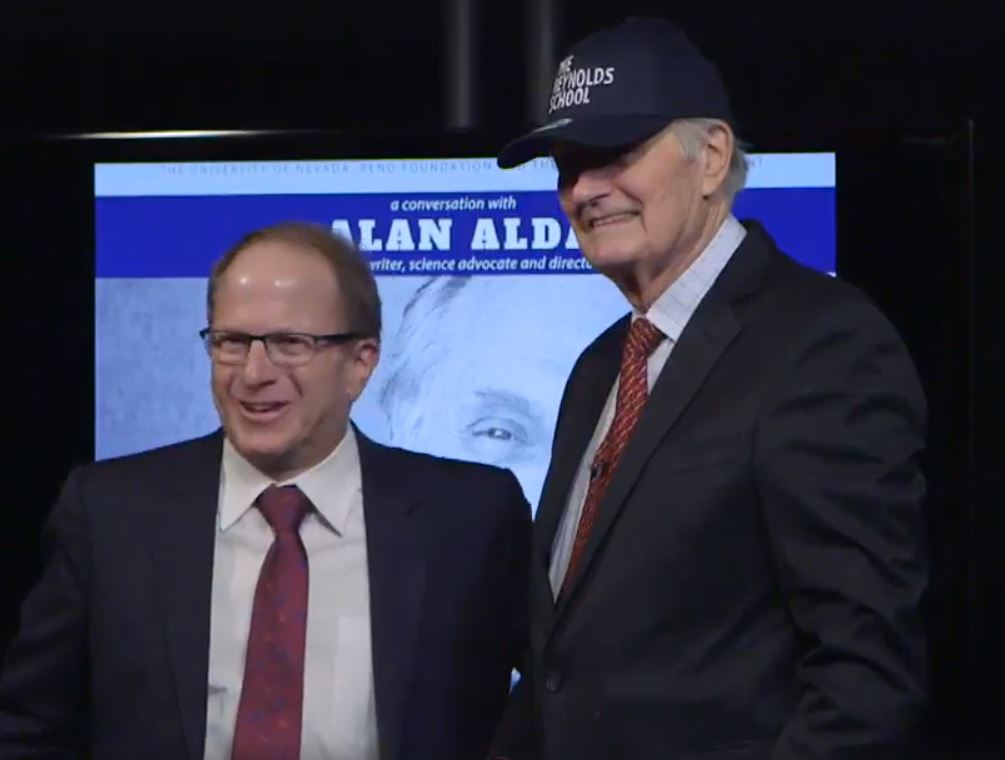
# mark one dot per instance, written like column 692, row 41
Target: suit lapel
column 397, row 565
column 711, row 330
column 182, row 532
column 689, row 364
column 591, row 384
column 581, row 408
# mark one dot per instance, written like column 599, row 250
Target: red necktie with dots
column 270, row 711
column 633, row 390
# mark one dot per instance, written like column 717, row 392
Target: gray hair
column 412, row 357
column 691, row 134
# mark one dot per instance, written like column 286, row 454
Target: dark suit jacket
column 751, row 586
column 111, row 659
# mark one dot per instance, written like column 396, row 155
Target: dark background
column 68, row 67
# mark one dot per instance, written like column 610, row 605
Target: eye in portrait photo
column 476, row 367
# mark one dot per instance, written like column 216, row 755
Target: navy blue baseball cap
column 622, row 85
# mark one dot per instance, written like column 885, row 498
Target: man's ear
column 717, row 154
column 364, row 362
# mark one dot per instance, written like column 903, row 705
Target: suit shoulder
column 802, row 284
column 808, row 316
column 807, row 300
column 452, row 482
column 171, row 460
column 446, row 470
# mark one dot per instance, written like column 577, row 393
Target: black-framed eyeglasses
column 284, row 348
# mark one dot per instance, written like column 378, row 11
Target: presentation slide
column 487, row 300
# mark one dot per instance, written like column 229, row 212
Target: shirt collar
column 672, row 310
column 330, row 485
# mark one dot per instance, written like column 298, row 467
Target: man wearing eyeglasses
column 284, row 588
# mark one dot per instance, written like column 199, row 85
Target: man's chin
column 610, row 259
column 269, row 451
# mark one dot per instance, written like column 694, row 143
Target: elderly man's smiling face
column 640, row 213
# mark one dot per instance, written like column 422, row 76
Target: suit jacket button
column 552, row 681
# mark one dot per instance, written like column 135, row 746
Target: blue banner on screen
column 485, row 292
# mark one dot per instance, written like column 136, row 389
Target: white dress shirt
column 670, row 313
column 339, row 714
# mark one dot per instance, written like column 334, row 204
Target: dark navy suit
column 111, row 658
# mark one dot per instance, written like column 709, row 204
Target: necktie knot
column 284, row 507
column 643, row 338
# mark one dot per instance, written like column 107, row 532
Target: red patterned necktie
column 269, row 714
column 633, row 390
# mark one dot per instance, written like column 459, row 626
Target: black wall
column 103, row 65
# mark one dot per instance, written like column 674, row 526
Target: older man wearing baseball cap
column 730, row 543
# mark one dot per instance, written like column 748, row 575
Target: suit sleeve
column 838, row 450
column 518, row 564
column 42, row 684
column 510, row 742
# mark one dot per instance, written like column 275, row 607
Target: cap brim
column 598, row 131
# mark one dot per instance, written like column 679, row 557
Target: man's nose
column 588, row 186
column 259, row 366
